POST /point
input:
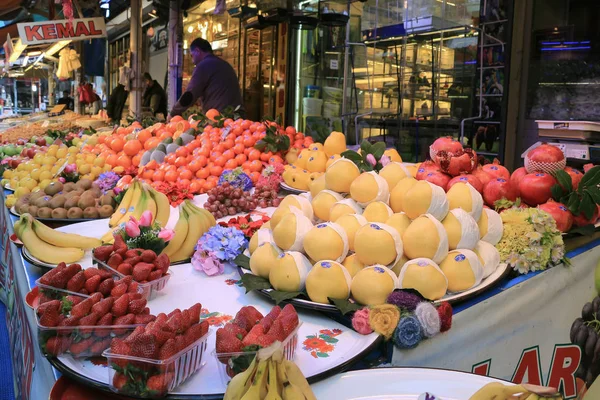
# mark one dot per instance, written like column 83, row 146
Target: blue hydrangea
column 225, row 243
column 408, row 334
column 107, row 181
column 236, row 178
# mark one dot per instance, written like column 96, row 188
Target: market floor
column 6, row 375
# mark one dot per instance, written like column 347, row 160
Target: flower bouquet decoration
column 69, row 174
column 246, row 224
column 371, row 157
column 107, row 181
column 237, row 178
column 143, row 234
column 217, row 246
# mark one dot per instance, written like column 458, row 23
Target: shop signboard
column 59, row 30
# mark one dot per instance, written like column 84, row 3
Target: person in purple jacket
column 213, row 81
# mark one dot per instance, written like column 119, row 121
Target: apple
column 23, row 152
column 21, row 142
column 33, row 139
column 48, row 140
column 31, row 152
column 14, row 163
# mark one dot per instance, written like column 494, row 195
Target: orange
column 290, row 130
column 176, row 119
column 231, row 164
column 194, row 166
column 209, row 185
column 148, row 174
column 275, row 159
column 220, row 161
column 248, row 142
column 124, row 161
column 136, row 160
column 212, row 114
column 202, row 173
column 254, row 155
column 117, row 144
column 255, row 165
column 254, row 176
column 238, row 148
column 229, row 143
column 196, row 186
column 245, row 124
column 185, row 174
column 240, row 159
column 216, row 170
column 182, row 152
column 184, row 182
column 180, row 161
column 112, row 160
column 132, row 147
column 171, row 176
column 228, row 154
column 158, row 176
column 144, row 135
column 182, row 126
column 170, row 158
column 265, row 156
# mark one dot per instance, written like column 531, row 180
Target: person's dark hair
column 201, row 44
column 66, row 93
column 147, row 76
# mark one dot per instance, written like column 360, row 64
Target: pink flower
column 371, row 160
column 71, row 168
column 132, row 229
column 146, row 218
column 166, row 234
column 385, row 160
column 62, row 180
column 360, row 322
column 207, row 263
column 117, row 190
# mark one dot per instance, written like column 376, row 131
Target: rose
column 360, row 322
column 383, row 319
column 371, row 160
column 132, row 229
column 166, row 234
column 408, row 333
column 405, row 300
column 146, row 218
column 445, row 313
column 70, row 168
column 207, row 263
column 429, row 319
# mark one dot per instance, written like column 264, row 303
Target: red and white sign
column 55, row 31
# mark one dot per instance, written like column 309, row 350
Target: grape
column 596, row 304
column 590, row 344
column 587, row 312
column 596, row 354
column 581, row 371
column 575, row 328
column 262, row 204
column 276, row 202
column 211, row 198
column 589, row 378
column 581, row 336
column 232, row 211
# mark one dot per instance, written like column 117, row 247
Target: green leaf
column 585, row 230
column 252, row 282
column 587, row 206
column 378, row 149
column 285, row 142
column 590, row 178
column 352, row 156
column 280, row 296
column 594, row 193
column 557, row 192
column 242, row 261
column 344, row 305
column 564, row 180
column 574, row 203
column 365, row 147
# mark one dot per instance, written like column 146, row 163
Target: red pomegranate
column 498, row 189
column 535, row 188
column 560, row 213
column 496, row 170
column 587, row 167
column 438, row 178
column 581, row 220
column 425, row 168
column 447, row 144
column 576, row 176
column 516, row 177
column 450, row 156
column 483, row 176
column 467, row 178
column 546, row 158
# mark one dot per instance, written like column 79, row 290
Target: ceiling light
column 191, row 29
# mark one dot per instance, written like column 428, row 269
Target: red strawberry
column 102, row 253
column 154, row 275
column 266, row 340
column 104, row 306
column 136, row 332
column 125, row 268
column 289, row 309
column 136, row 306
column 227, row 342
column 159, row 383
column 99, row 346
column 161, row 320
column 186, row 320
column 96, row 297
column 105, row 274
column 56, row 345
column 118, row 346
column 89, row 272
column 45, row 279
column 253, row 313
column 120, row 305
column 83, row 291
column 53, row 304
column 135, row 296
column 236, row 330
column 267, row 322
column 119, row 246
column 82, row 309
column 61, row 278
column 180, row 341
column 131, row 253
column 141, row 271
column 277, row 331
column 106, row 320
column 252, row 336
column 196, row 332
column 251, row 316
column 144, row 345
column 175, row 323
column 133, row 260
column 126, row 280
column 168, row 350
column 162, row 262
column 114, row 261
column 74, row 300
column 128, row 319
column 106, row 286
column 144, row 318
column 133, row 287
column 160, row 335
column 175, row 311
column 119, row 290
column 88, row 320
column 242, row 322
column 119, row 380
column 81, row 347
column 70, row 321
column 92, row 284
column 274, row 313
column 146, row 310
column 195, row 311
column 148, row 256
column 75, row 284
column 289, row 322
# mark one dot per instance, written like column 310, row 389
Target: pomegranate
column 438, row 178
column 516, row 177
column 560, row 213
column 496, row 170
column 576, row 176
column 581, row 220
column 450, row 156
column 546, row 158
column 447, row 144
column 587, row 167
column 425, row 168
column 483, row 176
column 498, row 189
column 535, row 188
column 467, row 178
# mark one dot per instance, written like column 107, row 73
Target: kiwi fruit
column 44, row 212
column 71, row 202
column 105, row 211
column 59, row 213
column 33, row 210
column 86, row 201
column 95, row 193
column 84, row 184
column 43, row 201
column 58, row 201
column 53, row 188
column 90, row 212
column 110, row 193
column 34, row 196
column 107, row 200
column 22, row 208
column 75, row 212
column 23, row 200
column 69, row 187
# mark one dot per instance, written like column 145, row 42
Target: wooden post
column 175, row 53
column 135, row 49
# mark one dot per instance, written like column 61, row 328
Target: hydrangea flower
column 225, row 243
column 107, row 181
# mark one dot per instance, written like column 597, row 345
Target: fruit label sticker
column 501, row 180
column 539, row 175
column 459, row 258
column 421, row 170
column 463, row 179
column 326, row 264
column 281, row 255
column 563, row 208
column 428, row 396
column 322, row 226
column 379, row 269
column 422, row 263
column 376, row 227
column 494, row 168
column 132, row 209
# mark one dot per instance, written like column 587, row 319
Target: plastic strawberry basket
column 148, row 290
column 129, row 375
column 234, row 363
column 54, row 293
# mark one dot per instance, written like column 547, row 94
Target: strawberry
column 252, row 336
column 99, row 346
column 89, row 320
column 135, row 296
column 119, row 381
column 75, row 284
column 247, row 317
column 168, row 350
column 114, row 261
column 125, row 268
column 106, row 286
column 136, row 306
column 102, row 253
column 133, row 287
column 277, row 331
column 74, row 300
column 154, row 275
column 161, row 320
column 104, row 306
column 227, row 342
column 274, row 313
column 96, row 297
column 141, row 271
column 118, row 346
column 56, row 345
column 45, row 279
column 126, row 280
column 70, row 321
column 61, row 278
column 160, row 335
column 180, row 341
column 162, row 262
column 143, row 318
column 236, row 330
column 196, row 332
column 89, row 272
column 119, row 246
column 144, row 345
column 289, row 309
column 146, row 311
column 131, row 253
column 92, row 284
column 53, row 304
column 148, row 256
column 175, row 311
column 289, row 322
column 133, row 260
column 106, row 320
column 119, row 307
column 195, row 311
column 119, row 290
column 82, row 309
column 160, row 383
column 81, row 347
column 253, row 313
column 265, row 341
column 175, row 323
column 186, row 321
column 128, row 319
column 105, row 274
column 83, row 291
column 136, row 332
column 267, row 322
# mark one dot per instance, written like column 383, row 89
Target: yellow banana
column 258, row 389
column 195, row 231
column 291, row 392
column 61, row 239
column 163, row 208
column 297, row 379
column 497, row 390
column 108, row 237
column 44, row 251
column 135, row 200
column 207, row 214
column 275, row 389
column 240, row 383
column 205, row 223
column 152, row 207
column 142, row 205
column 123, row 208
column 181, row 230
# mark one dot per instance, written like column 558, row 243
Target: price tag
column 333, row 64
column 578, row 153
column 45, row 124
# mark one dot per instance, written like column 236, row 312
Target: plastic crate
column 148, row 290
column 129, row 375
column 234, row 363
column 55, row 293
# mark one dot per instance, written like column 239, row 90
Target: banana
column 240, row 383
column 151, row 205
column 497, row 390
column 108, row 237
column 142, row 205
column 124, row 206
column 133, row 206
column 61, row 239
column 207, row 214
column 194, row 210
column 195, row 231
column 291, row 392
column 258, row 389
column 163, row 208
column 297, row 379
column 181, row 230
column 532, row 396
column 44, row 251
column 275, row 389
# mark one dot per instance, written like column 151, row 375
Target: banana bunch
column 272, row 377
column 193, row 222
column 139, row 198
column 499, row 391
column 52, row 246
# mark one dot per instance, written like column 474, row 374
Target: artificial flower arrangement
column 176, row 192
column 406, row 319
column 69, row 174
column 370, row 158
column 237, row 178
column 107, row 181
column 531, row 241
column 270, row 177
column 218, row 245
column 247, row 224
column 143, row 234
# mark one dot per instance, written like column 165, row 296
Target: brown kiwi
column 59, row 213
column 22, row 208
column 26, row 199
column 71, row 202
column 105, row 211
column 53, row 188
column 75, row 212
column 84, row 184
column 107, row 200
column 90, row 212
column 44, row 212
column 34, row 196
column 86, row 201
column 110, row 193
column 95, row 193
column 58, row 201
column 43, row 201
column 33, row 210
column 69, row 187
